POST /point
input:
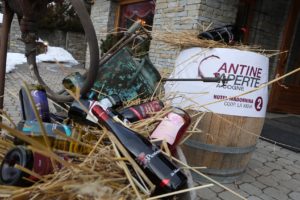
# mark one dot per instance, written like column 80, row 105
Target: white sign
column 247, row 70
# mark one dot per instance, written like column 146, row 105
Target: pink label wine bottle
column 172, row 128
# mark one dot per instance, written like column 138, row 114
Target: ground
column 272, row 173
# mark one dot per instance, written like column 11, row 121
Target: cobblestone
column 273, row 165
column 294, row 195
column 217, row 189
column 206, row 193
column 281, row 175
column 293, row 184
column 259, row 185
column 276, row 194
column 250, row 189
column 246, row 178
column 294, row 157
column 266, row 197
column 228, row 196
column 292, row 169
column 296, row 176
column 265, row 171
column 267, row 180
column 254, row 198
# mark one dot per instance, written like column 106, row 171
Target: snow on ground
column 1, row 17
column 54, row 54
column 14, row 59
column 57, row 54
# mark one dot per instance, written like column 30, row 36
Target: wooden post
column 7, row 19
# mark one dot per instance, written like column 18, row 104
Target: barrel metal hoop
column 223, row 172
column 219, row 149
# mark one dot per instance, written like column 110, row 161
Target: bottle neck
column 100, row 113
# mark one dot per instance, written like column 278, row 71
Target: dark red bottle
column 141, row 111
column 24, row 157
column 159, row 169
column 172, row 127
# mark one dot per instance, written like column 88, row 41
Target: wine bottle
column 79, row 114
column 73, row 81
column 228, row 34
column 172, row 127
column 38, row 163
column 32, row 129
column 160, row 170
column 142, row 111
column 40, row 100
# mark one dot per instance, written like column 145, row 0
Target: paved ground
column 273, row 172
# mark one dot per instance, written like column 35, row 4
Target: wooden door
column 285, row 95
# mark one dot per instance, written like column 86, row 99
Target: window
column 132, row 10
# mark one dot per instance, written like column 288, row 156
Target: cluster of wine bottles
column 110, row 113
column 29, row 125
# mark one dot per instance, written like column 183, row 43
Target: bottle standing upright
column 40, row 100
column 172, row 127
column 159, row 169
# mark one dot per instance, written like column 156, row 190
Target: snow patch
column 14, row 59
column 57, row 54
column 54, row 54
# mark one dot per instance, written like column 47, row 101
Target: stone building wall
column 15, row 43
column 103, row 18
column 76, row 45
column 192, row 15
column 181, row 15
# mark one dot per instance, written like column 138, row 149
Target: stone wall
column 192, row 15
column 74, row 43
column 103, row 18
column 15, row 43
column 218, row 12
column 182, row 15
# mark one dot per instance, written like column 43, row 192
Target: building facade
column 273, row 25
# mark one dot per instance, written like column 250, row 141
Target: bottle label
column 41, row 103
column 90, row 116
column 148, row 108
column 143, row 159
column 41, row 165
column 168, row 128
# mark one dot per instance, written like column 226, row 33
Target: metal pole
column 7, row 19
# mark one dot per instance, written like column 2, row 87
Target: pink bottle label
column 168, row 128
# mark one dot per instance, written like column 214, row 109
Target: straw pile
column 105, row 171
column 95, row 176
column 188, row 39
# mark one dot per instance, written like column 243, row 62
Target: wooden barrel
column 222, row 147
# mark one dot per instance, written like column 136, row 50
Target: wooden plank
column 281, row 100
